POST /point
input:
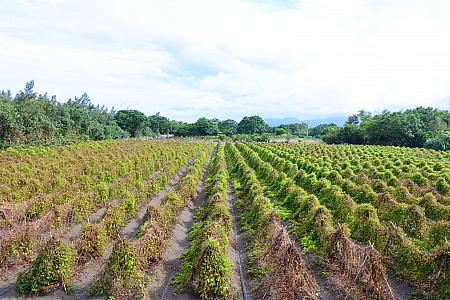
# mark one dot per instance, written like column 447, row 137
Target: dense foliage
column 132, row 121
column 274, row 261
column 111, row 207
column 394, row 199
column 97, row 185
column 32, row 119
column 417, row 127
column 253, row 124
column 228, row 127
column 124, row 276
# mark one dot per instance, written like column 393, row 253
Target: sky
column 306, row 59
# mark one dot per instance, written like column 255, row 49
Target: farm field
column 213, row 220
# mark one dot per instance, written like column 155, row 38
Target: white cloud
column 233, row 58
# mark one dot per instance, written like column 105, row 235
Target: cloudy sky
column 230, row 58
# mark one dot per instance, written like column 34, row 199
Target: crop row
column 113, row 166
column 27, row 176
column 273, row 256
column 94, row 237
column 426, row 221
column 206, row 266
column 317, row 206
column 417, row 174
column 311, row 222
column 19, row 242
column 126, row 272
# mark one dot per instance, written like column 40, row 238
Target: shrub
column 52, row 267
column 93, row 241
column 442, row 186
column 122, row 277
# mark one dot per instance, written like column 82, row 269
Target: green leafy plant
column 53, row 267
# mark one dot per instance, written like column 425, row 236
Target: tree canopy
column 32, row 119
column 29, row 118
column 204, row 126
column 228, row 127
column 252, row 125
column 132, row 121
column 417, row 127
column 322, row 129
column 296, row 129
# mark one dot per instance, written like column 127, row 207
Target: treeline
column 137, row 124
column 29, row 118
column 419, row 127
column 32, row 119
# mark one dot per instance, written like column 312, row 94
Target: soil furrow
column 160, row 287
column 235, row 249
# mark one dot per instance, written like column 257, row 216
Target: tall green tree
column 160, row 124
column 297, row 129
column 228, row 127
column 10, row 124
column 412, row 128
column 204, row 126
column 252, row 125
column 349, row 134
column 439, row 142
column 321, row 129
column 132, row 121
column 32, row 119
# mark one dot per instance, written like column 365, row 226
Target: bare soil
column 236, row 246
column 249, row 286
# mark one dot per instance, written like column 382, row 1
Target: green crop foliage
column 309, row 243
column 21, row 246
column 206, row 266
column 53, row 267
column 394, row 198
column 125, row 274
column 122, row 272
column 94, row 241
column 442, row 186
column 381, row 195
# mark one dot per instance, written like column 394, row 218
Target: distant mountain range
column 339, row 121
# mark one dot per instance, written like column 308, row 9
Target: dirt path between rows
column 317, row 268
column 236, row 247
column 160, row 287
